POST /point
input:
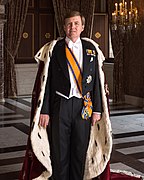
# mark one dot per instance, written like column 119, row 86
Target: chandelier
column 125, row 17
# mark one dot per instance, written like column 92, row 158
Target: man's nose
column 72, row 25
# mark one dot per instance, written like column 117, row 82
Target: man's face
column 73, row 27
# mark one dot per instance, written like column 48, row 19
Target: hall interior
column 21, row 36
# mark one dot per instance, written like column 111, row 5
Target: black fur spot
column 104, row 157
column 43, row 153
column 95, row 143
column 92, row 160
column 39, row 102
column 45, row 55
column 39, row 135
column 43, row 77
column 98, row 126
column 105, row 140
column 39, row 54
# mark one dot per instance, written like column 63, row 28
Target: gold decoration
column 25, row 35
column 125, row 16
column 97, row 35
column 47, row 35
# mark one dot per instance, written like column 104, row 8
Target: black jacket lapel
column 86, row 60
column 62, row 58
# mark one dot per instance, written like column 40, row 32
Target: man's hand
column 95, row 117
column 43, row 120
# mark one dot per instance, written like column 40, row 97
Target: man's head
column 74, row 24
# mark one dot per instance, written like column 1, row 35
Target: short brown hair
column 75, row 13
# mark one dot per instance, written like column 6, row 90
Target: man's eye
column 76, row 23
column 69, row 24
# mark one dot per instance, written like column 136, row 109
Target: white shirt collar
column 71, row 44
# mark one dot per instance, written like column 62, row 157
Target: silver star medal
column 91, row 60
column 89, row 79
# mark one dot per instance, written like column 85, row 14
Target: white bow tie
column 75, row 45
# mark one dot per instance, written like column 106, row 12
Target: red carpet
column 118, row 176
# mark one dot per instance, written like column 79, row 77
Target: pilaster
column 2, row 22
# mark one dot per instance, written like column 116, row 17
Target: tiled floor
column 128, row 137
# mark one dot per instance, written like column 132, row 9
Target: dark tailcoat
column 59, row 80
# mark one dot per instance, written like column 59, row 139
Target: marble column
column 2, row 22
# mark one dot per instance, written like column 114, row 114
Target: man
column 70, row 136
column 63, row 101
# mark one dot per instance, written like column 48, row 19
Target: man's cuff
column 97, row 112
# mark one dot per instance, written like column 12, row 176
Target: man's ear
column 82, row 27
column 64, row 27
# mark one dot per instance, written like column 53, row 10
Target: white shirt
column 77, row 50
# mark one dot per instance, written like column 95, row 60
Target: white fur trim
column 95, row 168
column 43, row 176
column 127, row 173
column 40, row 146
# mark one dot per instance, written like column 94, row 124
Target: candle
column 136, row 14
column 131, row 5
column 120, row 7
column 126, row 10
column 116, row 8
column 114, row 18
column 130, row 16
column 125, row 5
column 122, row 17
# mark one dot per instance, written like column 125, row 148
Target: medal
column 89, row 79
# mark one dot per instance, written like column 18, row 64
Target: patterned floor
column 128, row 137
